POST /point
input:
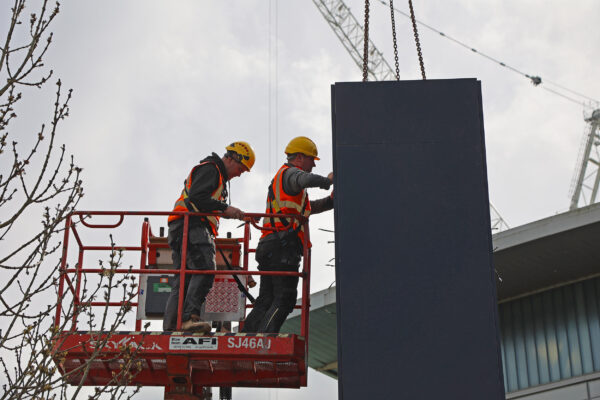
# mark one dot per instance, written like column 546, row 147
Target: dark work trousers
column 200, row 256
column 276, row 300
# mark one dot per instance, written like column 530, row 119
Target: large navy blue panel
column 415, row 290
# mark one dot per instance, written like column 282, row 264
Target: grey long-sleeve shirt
column 294, row 180
column 205, row 180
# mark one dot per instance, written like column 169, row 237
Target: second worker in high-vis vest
column 281, row 250
column 204, row 191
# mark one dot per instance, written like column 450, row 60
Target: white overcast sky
column 159, row 85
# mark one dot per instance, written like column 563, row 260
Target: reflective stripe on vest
column 213, row 220
column 283, row 203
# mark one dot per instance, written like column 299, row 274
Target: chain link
column 394, row 37
column 366, row 44
column 414, row 24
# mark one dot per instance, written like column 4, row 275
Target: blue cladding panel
column 530, row 346
column 594, row 322
column 520, row 344
column 551, row 340
column 564, row 358
column 510, row 355
column 572, row 332
column 551, row 336
column 413, row 242
column 541, row 347
column 583, row 331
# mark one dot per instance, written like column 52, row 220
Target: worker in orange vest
column 204, row 191
column 281, row 250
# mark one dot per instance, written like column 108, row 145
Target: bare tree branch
column 41, row 180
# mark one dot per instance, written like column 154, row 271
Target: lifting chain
column 366, row 44
column 394, row 37
column 414, row 24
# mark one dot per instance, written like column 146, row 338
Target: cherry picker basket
column 184, row 363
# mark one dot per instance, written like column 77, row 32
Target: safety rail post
column 69, row 283
column 76, row 235
column 144, row 255
column 62, row 273
column 305, row 282
column 246, row 244
column 182, row 270
column 144, row 242
column 76, row 298
column 305, row 312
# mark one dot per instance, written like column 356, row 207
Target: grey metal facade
column 551, row 336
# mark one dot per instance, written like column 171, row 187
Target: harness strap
column 237, row 280
column 187, row 197
column 284, row 220
column 187, row 200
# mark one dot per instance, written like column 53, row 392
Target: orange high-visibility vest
column 213, row 220
column 283, row 203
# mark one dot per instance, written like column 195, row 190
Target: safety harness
column 273, row 200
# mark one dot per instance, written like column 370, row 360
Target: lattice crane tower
column 352, row 35
column 585, row 187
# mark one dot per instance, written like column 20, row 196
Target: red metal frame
column 261, row 360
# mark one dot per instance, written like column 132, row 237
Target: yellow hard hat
column 304, row 145
column 244, row 150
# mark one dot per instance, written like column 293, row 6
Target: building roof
column 531, row 258
column 551, row 252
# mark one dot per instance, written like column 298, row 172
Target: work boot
column 196, row 326
column 195, row 317
column 224, row 327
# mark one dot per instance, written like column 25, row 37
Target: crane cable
column 366, row 44
column 394, row 38
column 366, row 40
column 535, row 80
column 417, row 42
